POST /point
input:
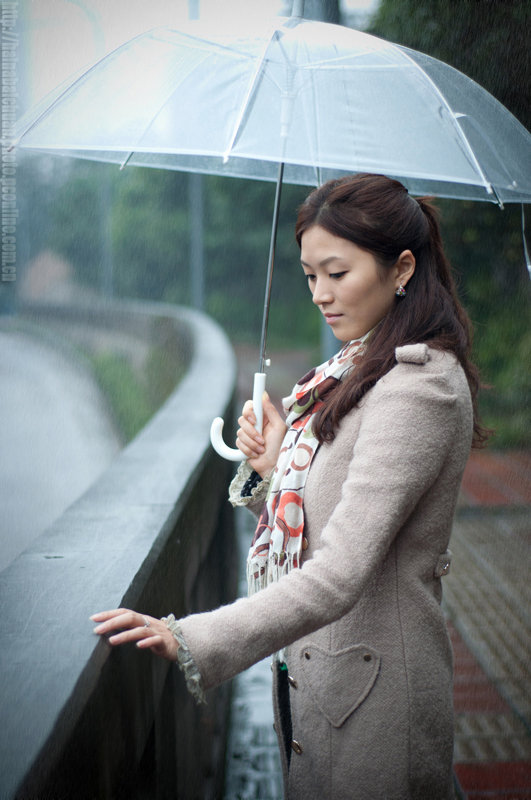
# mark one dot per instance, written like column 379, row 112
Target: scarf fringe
column 268, row 573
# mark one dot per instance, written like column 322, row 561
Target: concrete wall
column 77, row 719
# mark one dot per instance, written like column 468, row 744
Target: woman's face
column 346, row 283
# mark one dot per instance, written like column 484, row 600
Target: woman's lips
column 331, row 318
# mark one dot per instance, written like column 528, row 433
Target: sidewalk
column 487, row 598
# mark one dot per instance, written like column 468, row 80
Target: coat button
column 292, row 682
column 307, row 655
column 296, row 747
column 367, row 657
column 304, row 543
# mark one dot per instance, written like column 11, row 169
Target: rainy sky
column 59, row 37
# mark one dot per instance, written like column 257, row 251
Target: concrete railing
column 78, row 719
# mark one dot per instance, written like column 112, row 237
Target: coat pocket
column 339, row 681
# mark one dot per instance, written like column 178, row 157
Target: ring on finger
column 147, row 623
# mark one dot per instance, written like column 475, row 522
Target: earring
column 400, row 292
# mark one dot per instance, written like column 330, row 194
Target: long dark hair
column 378, row 215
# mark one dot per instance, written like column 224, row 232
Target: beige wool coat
column 368, row 655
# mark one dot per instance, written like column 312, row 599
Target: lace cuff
column 247, row 487
column 185, row 660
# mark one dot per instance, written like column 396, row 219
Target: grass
column 135, row 398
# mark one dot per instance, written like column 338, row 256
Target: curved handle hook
column 216, row 429
column 223, row 450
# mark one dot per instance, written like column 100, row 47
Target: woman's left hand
column 149, row 633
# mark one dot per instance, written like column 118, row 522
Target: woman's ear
column 405, row 267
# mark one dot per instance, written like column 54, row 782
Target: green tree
column 238, row 216
column 150, row 235
column 75, row 217
column 487, row 41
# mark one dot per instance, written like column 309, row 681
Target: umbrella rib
column 70, row 86
column 318, row 173
column 233, row 49
column 488, row 186
column 131, row 153
column 252, row 84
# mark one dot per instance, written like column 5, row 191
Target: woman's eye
column 310, row 277
column 337, row 275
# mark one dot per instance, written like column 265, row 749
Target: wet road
column 56, row 437
column 253, row 769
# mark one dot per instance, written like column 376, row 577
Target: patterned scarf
column 277, row 542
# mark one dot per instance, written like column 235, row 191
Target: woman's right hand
column 262, row 450
column 148, row 633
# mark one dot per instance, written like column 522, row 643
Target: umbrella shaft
column 270, row 266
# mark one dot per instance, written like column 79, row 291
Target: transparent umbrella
column 300, row 102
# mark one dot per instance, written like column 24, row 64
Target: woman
column 356, row 496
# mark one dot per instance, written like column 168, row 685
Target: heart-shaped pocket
column 339, row 681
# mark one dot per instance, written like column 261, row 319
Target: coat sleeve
column 408, row 425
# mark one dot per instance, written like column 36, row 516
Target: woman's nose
column 321, row 292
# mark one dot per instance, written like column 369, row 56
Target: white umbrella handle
column 216, row 429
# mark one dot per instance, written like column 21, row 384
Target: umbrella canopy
column 320, row 98
column 303, row 102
